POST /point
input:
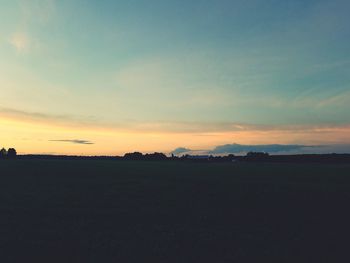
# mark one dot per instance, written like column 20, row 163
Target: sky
column 108, row 77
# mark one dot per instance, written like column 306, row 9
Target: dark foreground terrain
column 129, row 211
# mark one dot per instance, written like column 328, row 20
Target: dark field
column 120, row 211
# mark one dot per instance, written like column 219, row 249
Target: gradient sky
column 107, row 77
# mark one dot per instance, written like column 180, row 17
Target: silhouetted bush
column 148, row 157
column 133, row 156
column 11, row 153
column 155, row 156
column 3, row 153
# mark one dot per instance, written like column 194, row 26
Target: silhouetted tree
column 133, row 156
column 155, row 156
column 149, row 156
column 3, row 153
column 11, row 153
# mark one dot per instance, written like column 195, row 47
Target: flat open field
column 129, row 211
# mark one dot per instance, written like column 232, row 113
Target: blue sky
column 177, row 65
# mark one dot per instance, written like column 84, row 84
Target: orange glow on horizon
column 35, row 136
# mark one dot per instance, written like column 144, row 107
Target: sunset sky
column 108, row 77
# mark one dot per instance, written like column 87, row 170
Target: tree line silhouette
column 148, row 156
column 11, row 153
column 249, row 157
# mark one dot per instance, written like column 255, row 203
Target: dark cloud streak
column 85, row 142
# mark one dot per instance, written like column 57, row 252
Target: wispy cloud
column 162, row 126
column 74, row 141
column 336, row 100
column 196, row 135
column 191, row 80
column 37, row 117
column 321, row 100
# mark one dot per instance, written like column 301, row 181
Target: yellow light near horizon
column 36, row 137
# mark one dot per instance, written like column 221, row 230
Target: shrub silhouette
column 3, row 153
column 155, row 156
column 11, row 153
column 133, row 156
column 149, row 156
